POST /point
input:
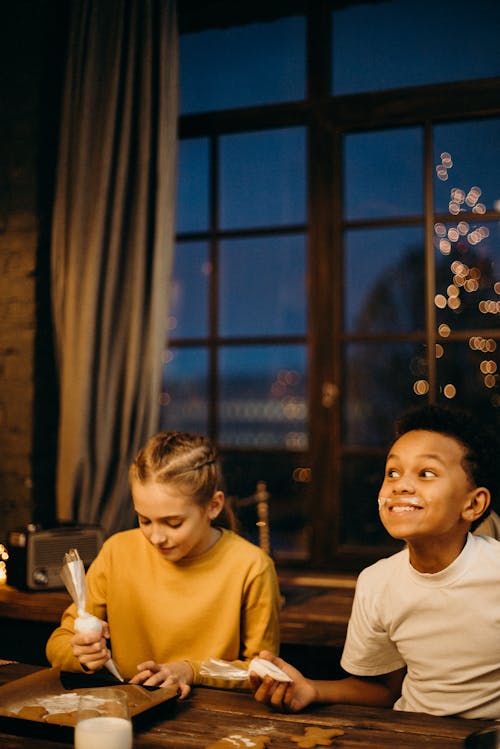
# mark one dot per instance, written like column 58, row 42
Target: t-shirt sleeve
column 368, row 649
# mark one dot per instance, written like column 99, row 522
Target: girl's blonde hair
column 187, row 460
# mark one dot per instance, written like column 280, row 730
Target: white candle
column 105, row 732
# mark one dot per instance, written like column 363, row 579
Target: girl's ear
column 478, row 501
column 216, row 505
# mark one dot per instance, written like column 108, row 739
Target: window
column 255, row 64
column 391, row 44
column 337, row 253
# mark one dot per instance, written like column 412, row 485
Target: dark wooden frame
column 327, row 119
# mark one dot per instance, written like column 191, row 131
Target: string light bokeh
column 467, row 277
column 4, row 555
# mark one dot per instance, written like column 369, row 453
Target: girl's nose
column 158, row 535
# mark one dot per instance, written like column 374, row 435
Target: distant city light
column 421, row 387
column 302, row 475
column 440, row 301
column 446, row 160
column 488, row 366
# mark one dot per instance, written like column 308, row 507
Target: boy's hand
column 153, row 674
column 285, row 696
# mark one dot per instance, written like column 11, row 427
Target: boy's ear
column 478, row 501
column 215, row 505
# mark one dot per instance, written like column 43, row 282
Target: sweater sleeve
column 58, row 650
column 259, row 627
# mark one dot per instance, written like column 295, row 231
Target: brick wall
column 32, row 36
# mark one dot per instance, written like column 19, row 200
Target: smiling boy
column 424, row 633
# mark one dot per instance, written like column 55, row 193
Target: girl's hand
column 91, row 648
column 153, row 674
column 285, row 696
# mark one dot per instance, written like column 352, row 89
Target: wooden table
column 209, row 715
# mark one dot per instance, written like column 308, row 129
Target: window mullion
column 430, row 268
column 213, row 327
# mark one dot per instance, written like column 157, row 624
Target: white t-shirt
column 445, row 627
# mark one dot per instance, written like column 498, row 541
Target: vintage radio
column 36, row 556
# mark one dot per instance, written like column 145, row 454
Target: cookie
column 32, row 712
column 61, row 719
column 314, row 736
column 238, row 741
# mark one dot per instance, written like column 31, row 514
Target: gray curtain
column 112, row 247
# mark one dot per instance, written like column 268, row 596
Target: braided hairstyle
column 186, row 460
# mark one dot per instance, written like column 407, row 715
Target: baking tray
column 23, row 701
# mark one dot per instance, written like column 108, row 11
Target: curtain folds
column 112, row 247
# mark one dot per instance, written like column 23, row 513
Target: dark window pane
column 263, row 396
column 381, row 381
column 263, row 180
column 384, row 45
column 189, row 291
column 467, row 162
column 468, row 375
column 467, row 275
column 383, row 174
column 184, row 398
column 259, row 63
column 192, row 186
column 384, row 280
column 362, row 477
column 286, row 476
column 262, row 286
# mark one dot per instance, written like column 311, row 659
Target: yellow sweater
column 223, row 604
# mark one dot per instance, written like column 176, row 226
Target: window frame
column 327, row 119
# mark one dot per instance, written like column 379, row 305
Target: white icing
column 265, row 668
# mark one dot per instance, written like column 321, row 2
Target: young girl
column 180, row 588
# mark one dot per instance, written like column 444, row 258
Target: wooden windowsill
column 315, row 612
column 316, row 579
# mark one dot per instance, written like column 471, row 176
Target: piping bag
column 226, row 670
column 73, row 576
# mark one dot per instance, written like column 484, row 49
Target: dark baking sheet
column 145, row 704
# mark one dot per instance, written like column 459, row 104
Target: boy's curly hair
column 481, row 443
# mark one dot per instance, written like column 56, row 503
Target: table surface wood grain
column 209, row 715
